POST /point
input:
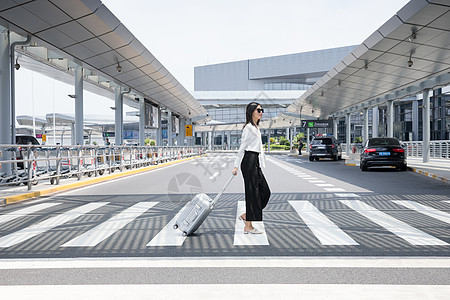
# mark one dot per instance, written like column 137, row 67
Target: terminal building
column 275, row 82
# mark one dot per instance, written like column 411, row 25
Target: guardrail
column 31, row 163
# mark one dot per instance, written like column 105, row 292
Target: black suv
column 325, row 146
column 24, row 140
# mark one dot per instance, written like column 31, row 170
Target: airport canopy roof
column 86, row 33
column 406, row 55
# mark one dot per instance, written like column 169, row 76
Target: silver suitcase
column 196, row 212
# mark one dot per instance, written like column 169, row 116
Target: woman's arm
column 244, row 141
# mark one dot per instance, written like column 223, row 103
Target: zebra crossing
column 326, row 231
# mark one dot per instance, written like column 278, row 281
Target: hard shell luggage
column 196, row 211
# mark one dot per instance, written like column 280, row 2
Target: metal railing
column 31, row 163
column 438, row 149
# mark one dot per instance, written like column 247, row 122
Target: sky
column 184, row 34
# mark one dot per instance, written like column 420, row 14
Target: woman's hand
column 234, row 172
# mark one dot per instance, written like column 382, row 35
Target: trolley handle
column 223, row 189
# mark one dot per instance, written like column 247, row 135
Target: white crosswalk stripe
column 241, row 239
column 34, row 230
column 98, row 234
column 25, row 211
column 169, row 236
column 408, row 233
column 325, row 230
column 429, row 211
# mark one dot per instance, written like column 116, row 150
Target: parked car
column 325, row 146
column 24, row 140
column 379, row 152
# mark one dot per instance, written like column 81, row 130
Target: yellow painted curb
column 30, row 195
column 428, row 174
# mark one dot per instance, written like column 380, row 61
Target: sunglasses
column 260, row 110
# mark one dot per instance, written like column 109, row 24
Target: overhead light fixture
column 72, row 96
column 17, row 65
column 412, row 37
column 113, row 107
column 410, row 62
column 339, row 83
column 321, row 94
column 366, row 66
column 118, row 68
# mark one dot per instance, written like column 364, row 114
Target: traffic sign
column 188, row 130
column 44, row 137
column 317, row 124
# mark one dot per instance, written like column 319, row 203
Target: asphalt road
column 317, row 210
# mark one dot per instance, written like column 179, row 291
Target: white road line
column 325, row 184
column 316, row 181
column 326, row 231
column 101, row 232
column 241, row 239
column 447, row 201
column 308, row 178
column 410, row 234
column 25, row 211
column 334, row 189
column 346, row 195
column 33, row 230
column 169, row 236
column 213, row 176
column 426, row 210
column 226, row 291
column 403, row 262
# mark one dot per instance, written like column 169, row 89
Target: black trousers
column 257, row 191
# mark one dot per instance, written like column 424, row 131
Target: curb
column 428, row 174
column 30, row 195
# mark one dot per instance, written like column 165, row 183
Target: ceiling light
column 118, row 68
column 339, row 83
column 410, row 62
column 321, row 94
column 366, row 66
column 412, row 37
column 17, row 65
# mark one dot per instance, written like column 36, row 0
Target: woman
column 251, row 153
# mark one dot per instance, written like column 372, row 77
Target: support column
column 159, row 130
column 169, row 128
column 72, row 134
column 209, row 140
column 118, row 116
column 229, row 139
column 390, row 119
column 426, row 125
column 141, row 121
column 375, row 121
column 79, row 121
column 307, row 139
column 348, row 137
column 335, row 127
column 268, row 141
column 5, row 103
column 366, row 124
column 415, row 120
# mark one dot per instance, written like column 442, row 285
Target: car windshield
column 383, row 142
column 322, row 142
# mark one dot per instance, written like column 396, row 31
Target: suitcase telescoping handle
column 222, row 190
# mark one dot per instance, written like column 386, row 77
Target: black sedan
column 378, row 152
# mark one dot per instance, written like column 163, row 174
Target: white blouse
column 251, row 141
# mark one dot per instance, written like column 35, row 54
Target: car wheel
column 404, row 168
column 363, row 167
column 316, row 158
column 311, row 158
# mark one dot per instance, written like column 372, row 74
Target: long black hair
column 251, row 107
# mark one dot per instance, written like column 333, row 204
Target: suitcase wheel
column 184, row 233
column 175, row 226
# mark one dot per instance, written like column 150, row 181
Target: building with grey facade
column 225, row 89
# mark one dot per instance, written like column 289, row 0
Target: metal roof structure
column 86, row 33
column 406, row 55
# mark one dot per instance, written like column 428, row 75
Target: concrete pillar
column 415, row 120
column 287, row 134
column 375, row 121
column 79, row 120
column 229, row 139
column 159, row 130
column 426, row 125
column 390, row 118
column 169, row 128
column 366, row 125
column 141, row 122
column 335, row 127
column 118, row 116
column 307, row 139
column 5, row 103
column 72, row 134
column 268, row 140
column 348, row 137
column 209, row 140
